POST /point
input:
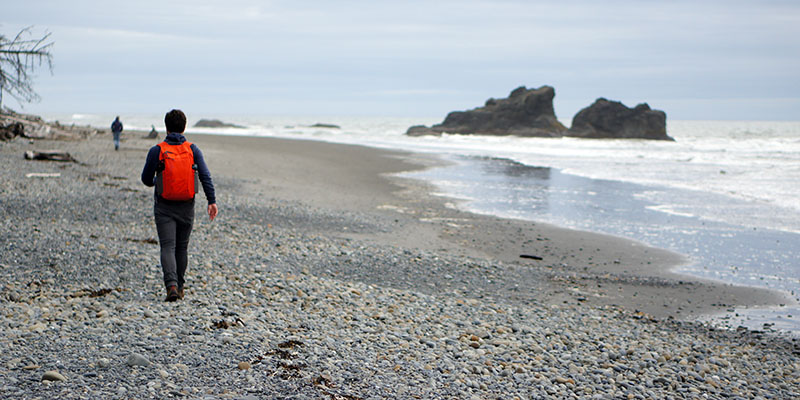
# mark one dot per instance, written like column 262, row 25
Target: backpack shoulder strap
column 189, row 149
column 162, row 146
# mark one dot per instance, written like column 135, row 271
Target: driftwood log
column 49, row 155
column 11, row 131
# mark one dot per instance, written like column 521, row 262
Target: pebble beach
column 345, row 287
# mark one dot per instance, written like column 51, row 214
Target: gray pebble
column 137, row 360
column 53, row 376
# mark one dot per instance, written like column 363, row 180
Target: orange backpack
column 177, row 180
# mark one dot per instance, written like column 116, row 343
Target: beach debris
column 91, row 293
column 223, row 324
column 145, row 241
column 530, row 256
column 290, row 344
column 323, row 380
column 12, row 130
column 14, row 125
column 49, row 155
column 43, row 175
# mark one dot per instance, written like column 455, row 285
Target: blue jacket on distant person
column 116, row 126
column 116, row 129
column 151, row 166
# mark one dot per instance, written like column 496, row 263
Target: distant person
column 174, row 167
column 116, row 129
column 153, row 132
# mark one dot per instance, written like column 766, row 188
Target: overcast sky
column 693, row 59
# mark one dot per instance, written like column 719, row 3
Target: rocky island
column 325, row 125
column 215, row 123
column 612, row 119
column 526, row 112
column 530, row 113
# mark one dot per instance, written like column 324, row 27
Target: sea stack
column 526, row 112
column 613, row 120
column 215, row 123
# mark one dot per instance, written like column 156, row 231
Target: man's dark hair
column 175, row 121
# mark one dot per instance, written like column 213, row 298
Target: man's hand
column 212, row 211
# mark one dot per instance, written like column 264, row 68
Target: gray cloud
column 423, row 58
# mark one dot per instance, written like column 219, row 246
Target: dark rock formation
column 612, row 119
column 526, row 112
column 322, row 125
column 215, row 123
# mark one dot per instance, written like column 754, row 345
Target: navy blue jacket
column 151, row 165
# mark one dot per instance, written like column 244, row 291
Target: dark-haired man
column 174, row 217
column 116, row 130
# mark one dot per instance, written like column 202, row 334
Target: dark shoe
column 180, row 293
column 172, row 293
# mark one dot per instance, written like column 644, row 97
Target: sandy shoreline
column 588, row 267
column 326, row 276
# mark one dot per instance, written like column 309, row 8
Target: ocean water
column 725, row 193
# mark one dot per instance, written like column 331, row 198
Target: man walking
column 174, row 166
column 116, row 129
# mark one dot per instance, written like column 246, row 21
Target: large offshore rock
column 215, row 123
column 526, row 112
column 611, row 119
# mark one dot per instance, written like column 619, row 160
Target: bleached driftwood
column 43, row 175
column 49, row 155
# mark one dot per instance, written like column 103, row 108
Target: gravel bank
column 290, row 299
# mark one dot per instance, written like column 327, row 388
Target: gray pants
column 116, row 140
column 174, row 225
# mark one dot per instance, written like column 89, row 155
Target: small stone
column 244, row 365
column 137, row 360
column 11, row 364
column 53, row 376
column 164, row 374
column 31, row 367
column 149, row 314
column 38, row 327
column 474, row 345
column 482, row 333
column 560, row 379
column 103, row 363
